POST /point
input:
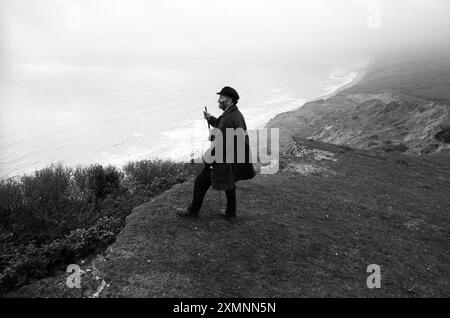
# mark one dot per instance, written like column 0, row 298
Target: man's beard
column 222, row 105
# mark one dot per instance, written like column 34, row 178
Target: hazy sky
column 134, row 31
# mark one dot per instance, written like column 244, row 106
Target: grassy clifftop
column 309, row 230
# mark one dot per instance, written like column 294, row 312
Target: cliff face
column 396, row 107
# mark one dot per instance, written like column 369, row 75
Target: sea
column 79, row 115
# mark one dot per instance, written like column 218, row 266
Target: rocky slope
column 394, row 107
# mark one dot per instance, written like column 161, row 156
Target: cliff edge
column 310, row 230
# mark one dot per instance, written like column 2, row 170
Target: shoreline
column 360, row 73
column 283, row 120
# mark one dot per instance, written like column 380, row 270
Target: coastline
column 377, row 110
column 360, row 73
column 286, row 122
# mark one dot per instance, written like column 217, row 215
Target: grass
column 297, row 235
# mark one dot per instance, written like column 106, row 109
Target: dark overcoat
column 225, row 174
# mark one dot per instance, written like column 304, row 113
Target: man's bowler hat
column 230, row 92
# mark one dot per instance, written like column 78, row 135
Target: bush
column 11, row 200
column 59, row 214
column 95, row 182
column 32, row 262
column 142, row 173
column 34, row 205
column 157, row 175
column 47, row 187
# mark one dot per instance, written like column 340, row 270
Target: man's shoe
column 186, row 213
column 228, row 217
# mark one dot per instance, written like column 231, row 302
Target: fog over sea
column 79, row 115
column 109, row 82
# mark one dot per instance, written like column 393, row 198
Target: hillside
column 362, row 181
column 309, row 230
column 393, row 107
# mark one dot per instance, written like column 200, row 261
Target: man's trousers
column 201, row 186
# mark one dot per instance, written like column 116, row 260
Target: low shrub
column 59, row 214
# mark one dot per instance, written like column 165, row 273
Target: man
column 222, row 174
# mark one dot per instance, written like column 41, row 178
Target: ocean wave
column 119, row 143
